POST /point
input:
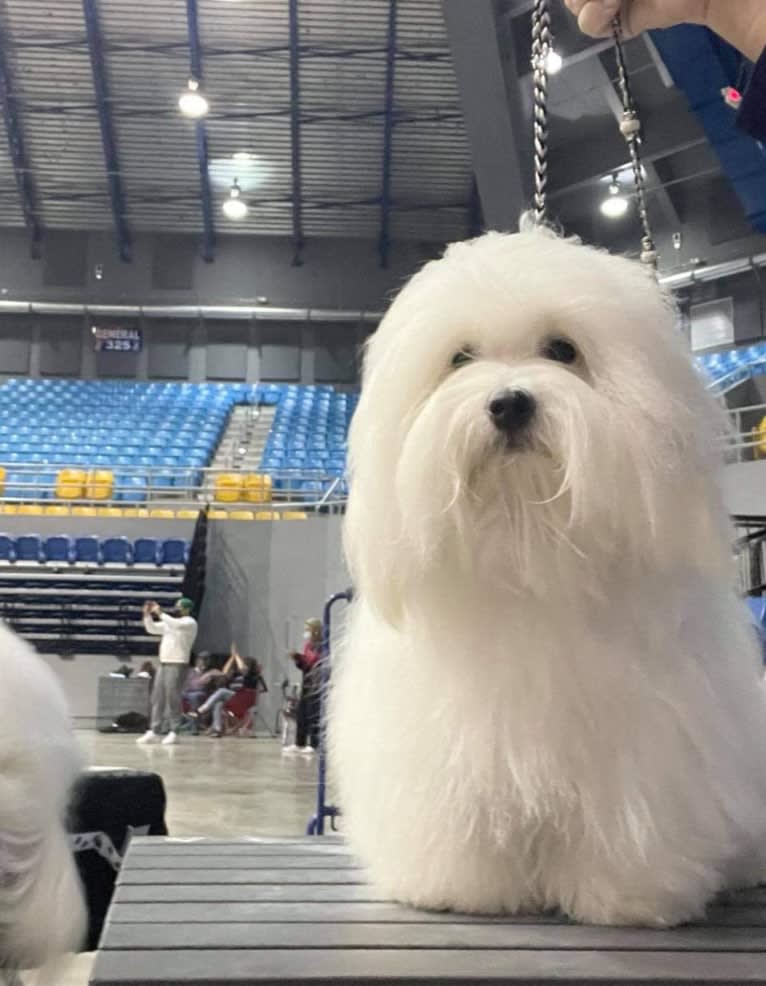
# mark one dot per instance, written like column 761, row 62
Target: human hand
column 740, row 22
column 595, row 17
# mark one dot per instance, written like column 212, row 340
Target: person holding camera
column 178, row 633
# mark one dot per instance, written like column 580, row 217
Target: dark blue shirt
column 752, row 113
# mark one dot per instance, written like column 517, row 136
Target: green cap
column 185, row 603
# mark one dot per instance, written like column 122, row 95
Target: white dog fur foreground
column 549, row 694
column 42, row 912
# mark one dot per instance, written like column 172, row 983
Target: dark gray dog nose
column 512, row 410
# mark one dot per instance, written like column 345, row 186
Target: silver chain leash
column 541, row 46
column 630, row 128
column 630, row 124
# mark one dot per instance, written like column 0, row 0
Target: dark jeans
column 308, row 719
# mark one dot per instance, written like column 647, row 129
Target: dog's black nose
column 512, row 410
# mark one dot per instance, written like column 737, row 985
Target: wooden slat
column 130, row 875
column 256, row 893
column 319, row 843
column 279, row 913
column 179, row 861
column 164, row 847
column 447, row 935
column 284, row 967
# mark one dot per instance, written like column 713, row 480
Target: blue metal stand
column 323, row 810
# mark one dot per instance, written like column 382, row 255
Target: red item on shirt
column 310, row 656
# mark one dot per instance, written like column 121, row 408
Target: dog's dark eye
column 463, row 356
column 560, row 350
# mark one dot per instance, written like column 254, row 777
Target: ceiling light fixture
column 192, row 102
column 243, row 156
column 615, row 205
column 235, row 207
column 553, row 62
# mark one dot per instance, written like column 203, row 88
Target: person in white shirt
column 178, row 634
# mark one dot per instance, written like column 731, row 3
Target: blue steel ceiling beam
column 17, row 150
column 108, row 140
column 384, row 239
column 203, row 160
column 295, row 134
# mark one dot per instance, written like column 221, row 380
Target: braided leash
column 541, row 46
column 630, row 124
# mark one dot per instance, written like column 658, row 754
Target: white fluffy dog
column 42, row 911
column 549, row 694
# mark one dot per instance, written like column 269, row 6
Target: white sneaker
column 308, row 749
column 170, row 739
column 148, row 737
column 291, row 750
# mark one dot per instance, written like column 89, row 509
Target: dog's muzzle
column 511, row 411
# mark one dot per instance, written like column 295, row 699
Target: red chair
column 239, row 713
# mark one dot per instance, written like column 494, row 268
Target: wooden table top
column 208, row 912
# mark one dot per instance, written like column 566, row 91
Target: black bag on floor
column 108, row 807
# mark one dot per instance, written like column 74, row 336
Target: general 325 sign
column 117, row 340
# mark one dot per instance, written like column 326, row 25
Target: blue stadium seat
column 87, row 550
column 7, row 548
column 116, row 550
column 59, row 547
column 174, row 551
column 146, row 551
column 29, row 548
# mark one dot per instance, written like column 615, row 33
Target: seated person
column 240, row 672
column 198, row 685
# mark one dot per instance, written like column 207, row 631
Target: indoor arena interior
column 371, row 613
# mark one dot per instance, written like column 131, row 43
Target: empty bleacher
column 306, row 449
column 124, row 443
column 726, row 369
column 69, row 595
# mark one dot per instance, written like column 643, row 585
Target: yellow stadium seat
column 267, row 515
column 162, row 514
column 759, row 434
column 70, row 484
column 84, row 512
column 135, row 512
column 257, row 488
column 9, row 508
column 109, row 512
column 294, row 515
column 217, row 514
column 100, row 484
column 186, row 514
column 57, row 511
column 2, row 479
column 30, row 509
column 228, row 487
column 240, row 515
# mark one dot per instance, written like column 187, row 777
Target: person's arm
column 742, row 23
column 174, row 621
column 151, row 625
column 236, row 657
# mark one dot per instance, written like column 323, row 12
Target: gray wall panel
column 280, row 350
column 336, row 352
column 168, row 342
column 15, row 339
column 60, row 345
column 227, row 344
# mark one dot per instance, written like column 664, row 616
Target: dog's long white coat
column 548, row 693
column 42, row 912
